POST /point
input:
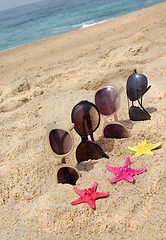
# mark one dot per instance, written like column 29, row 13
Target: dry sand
column 41, row 82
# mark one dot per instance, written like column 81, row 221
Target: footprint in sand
column 13, row 103
column 14, row 98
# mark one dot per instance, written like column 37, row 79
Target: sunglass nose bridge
column 71, row 126
column 120, row 90
column 84, row 138
column 115, row 117
column 59, row 160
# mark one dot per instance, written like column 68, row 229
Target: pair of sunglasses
column 107, row 100
column 136, row 87
column 86, row 119
column 60, row 142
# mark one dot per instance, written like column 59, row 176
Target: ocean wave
column 63, row 29
column 88, row 24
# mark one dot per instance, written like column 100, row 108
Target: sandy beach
column 42, row 82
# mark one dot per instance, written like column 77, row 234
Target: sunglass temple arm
column 143, row 108
column 115, row 117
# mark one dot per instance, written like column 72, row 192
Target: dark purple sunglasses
column 107, row 100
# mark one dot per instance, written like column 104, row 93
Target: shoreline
column 43, row 81
column 54, row 36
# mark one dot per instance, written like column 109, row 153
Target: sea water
column 29, row 23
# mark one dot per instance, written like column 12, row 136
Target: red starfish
column 89, row 195
column 125, row 172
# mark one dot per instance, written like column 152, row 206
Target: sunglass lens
column 67, row 175
column 89, row 150
column 137, row 114
column 85, row 117
column 136, row 86
column 60, row 141
column 115, row 131
column 107, row 100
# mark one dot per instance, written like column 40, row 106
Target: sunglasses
column 107, row 100
column 60, row 142
column 136, row 87
column 86, row 119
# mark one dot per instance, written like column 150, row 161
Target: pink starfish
column 88, row 196
column 125, row 172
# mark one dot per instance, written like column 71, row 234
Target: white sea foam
column 85, row 25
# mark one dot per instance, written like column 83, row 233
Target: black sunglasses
column 86, row 119
column 136, row 87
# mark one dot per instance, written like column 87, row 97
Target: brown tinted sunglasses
column 86, row 119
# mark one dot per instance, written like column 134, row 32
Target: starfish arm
column 77, row 201
column 94, row 186
column 129, row 178
column 77, row 190
column 127, row 163
column 101, row 194
column 135, row 148
column 148, row 151
column 138, row 153
column 116, row 179
column 112, row 169
column 132, row 148
column 138, row 171
column 153, row 146
column 92, row 203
